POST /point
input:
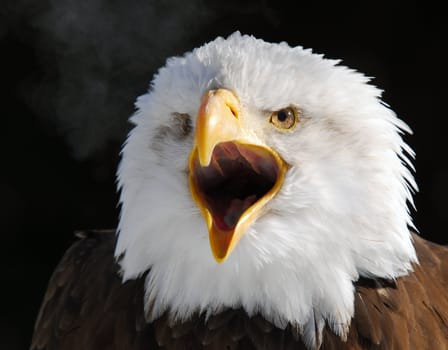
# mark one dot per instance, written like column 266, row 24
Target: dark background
column 70, row 71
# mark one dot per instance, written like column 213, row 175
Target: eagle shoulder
column 86, row 305
column 410, row 312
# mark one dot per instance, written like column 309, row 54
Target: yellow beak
column 231, row 178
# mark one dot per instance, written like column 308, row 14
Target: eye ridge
column 285, row 118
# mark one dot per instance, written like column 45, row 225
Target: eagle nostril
column 233, row 110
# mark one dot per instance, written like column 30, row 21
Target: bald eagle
column 264, row 205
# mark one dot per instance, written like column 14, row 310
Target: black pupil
column 282, row 115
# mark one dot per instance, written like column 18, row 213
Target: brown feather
column 368, row 318
column 88, row 307
column 236, row 328
column 221, row 319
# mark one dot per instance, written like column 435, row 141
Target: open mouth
column 238, row 176
column 231, row 178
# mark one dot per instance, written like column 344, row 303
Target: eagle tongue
column 236, row 208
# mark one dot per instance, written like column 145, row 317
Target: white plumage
column 340, row 214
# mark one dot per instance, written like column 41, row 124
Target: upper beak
column 231, row 177
column 217, row 121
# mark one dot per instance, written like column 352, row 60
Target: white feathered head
column 264, row 177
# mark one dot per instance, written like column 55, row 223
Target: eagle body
column 88, row 307
column 264, row 198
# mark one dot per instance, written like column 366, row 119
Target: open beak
column 231, row 178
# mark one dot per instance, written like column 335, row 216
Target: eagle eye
column 285, row 118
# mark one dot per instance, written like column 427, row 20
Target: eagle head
column 263, row 177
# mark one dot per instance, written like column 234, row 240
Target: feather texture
column 88, row 307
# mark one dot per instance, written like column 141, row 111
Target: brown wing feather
column 87, row 307
column 409, row 313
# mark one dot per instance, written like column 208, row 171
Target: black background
column 71, row 70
